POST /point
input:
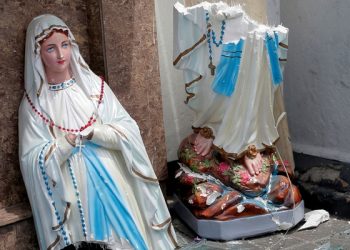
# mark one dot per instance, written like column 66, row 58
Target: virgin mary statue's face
column 56, row 54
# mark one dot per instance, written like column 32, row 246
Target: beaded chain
column 49, row 122
column 77, row 194
column 212, row 36
column 49, row 191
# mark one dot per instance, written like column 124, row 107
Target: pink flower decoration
column 245, row 177
column 223, row 167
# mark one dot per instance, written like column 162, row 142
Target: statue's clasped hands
column 74, row 138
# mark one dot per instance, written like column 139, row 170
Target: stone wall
column 133, row 70
column 20, row 235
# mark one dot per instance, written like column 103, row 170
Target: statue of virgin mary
column 85, row 167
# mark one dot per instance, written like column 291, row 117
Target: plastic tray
column 241, row 227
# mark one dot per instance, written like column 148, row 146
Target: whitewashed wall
column 273, row 12
column 317, row 80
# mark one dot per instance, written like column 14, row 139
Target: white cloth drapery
column 121, row 151
column 246, row 117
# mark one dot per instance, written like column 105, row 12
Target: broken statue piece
column 234, row 129
column 314, row 218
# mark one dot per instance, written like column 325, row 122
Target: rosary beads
column 211, row 36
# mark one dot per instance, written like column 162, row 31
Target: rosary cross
column 212, row 67
column 79, row 143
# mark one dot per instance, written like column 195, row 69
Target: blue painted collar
column 62, row 85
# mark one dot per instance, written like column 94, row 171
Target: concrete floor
column 331, row 235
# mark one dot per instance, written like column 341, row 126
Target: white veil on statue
column 34, row 76
column 116, row 148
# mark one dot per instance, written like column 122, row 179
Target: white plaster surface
column 317, row 76
column 177, row 117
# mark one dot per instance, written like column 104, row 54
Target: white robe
column 246, row 117
column 122, row 153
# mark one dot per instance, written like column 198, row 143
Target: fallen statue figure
column 217, row 187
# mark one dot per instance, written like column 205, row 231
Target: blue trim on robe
column 272, row 49
column 106, row 206
column 228, row 69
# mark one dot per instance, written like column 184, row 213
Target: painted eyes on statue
column 64, row 45
column 50, row 49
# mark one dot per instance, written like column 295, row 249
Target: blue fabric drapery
column 228, row 69
column 107, row 210
column 272, row 49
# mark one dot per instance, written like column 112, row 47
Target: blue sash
column 228, row 69
column 106, row 206
column 272, row 49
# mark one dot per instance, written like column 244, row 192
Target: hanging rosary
column 49, row 122
column 211, row 36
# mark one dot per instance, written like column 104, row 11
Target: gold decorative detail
column 97, row 97
column 52, row 132
column 206, row 132
column 196, row 130
column 50, row 28
column 171, row 236
column 161, row 225
column 90, row 135
column 143, row 176
column 252, row 152
column 36, row 46
column 66, row 212
column 52, row 148
column 235, row 156
column 55, row 228
column 118, row 131
column 189, row 94
column 186, row 51
column 225, row 154
column 193, row 81
column 271, row 148
column 72, row 143
column 54, row 244
column 283, row 45
column 40, row 87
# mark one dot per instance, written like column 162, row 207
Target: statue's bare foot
column 202, row 145
column 253, row 165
